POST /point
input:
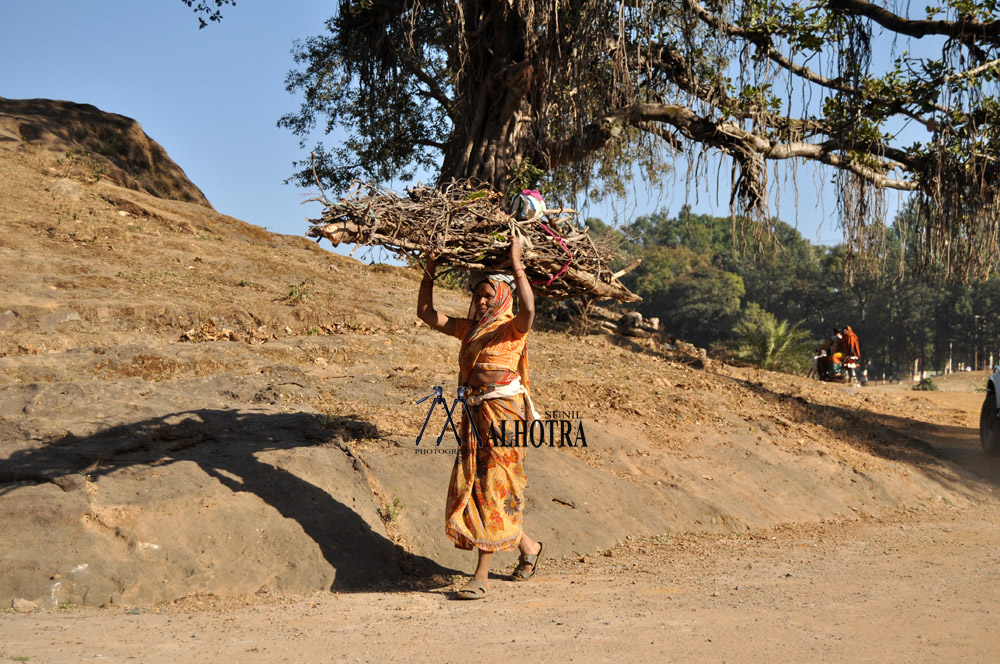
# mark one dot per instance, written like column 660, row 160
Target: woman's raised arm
column 525, row 298
column 425, row 302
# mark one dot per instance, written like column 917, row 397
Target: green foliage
column 81, row 163
column 359, row 78
column 298, row 293
column 204, row 9
column 926, row 385
column 681, row 280
column 701, row 288
column 581, row 97
column 595, row 225
column 390, row 513
column 524, row 176
column 698, row 301
column 768, row 343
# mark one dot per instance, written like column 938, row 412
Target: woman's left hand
column 526, row 312
column 516, row 251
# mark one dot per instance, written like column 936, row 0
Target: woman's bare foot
column 482, row 572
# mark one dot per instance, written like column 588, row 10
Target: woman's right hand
column 425, row 301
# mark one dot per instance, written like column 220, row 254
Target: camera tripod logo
column 460, row 398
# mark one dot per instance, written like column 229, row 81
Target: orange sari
column 486, row 492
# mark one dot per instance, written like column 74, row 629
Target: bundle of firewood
column 467, row 228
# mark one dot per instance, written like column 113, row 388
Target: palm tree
column 768, row 343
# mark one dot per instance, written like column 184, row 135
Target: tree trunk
column 485, row 150
column 495, row 100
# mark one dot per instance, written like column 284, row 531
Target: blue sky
column 212, row 98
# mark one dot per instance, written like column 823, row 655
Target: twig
column 323, row 197
column 468, row 229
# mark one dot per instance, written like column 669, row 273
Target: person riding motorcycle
column 830, row 355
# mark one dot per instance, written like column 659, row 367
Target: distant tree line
column 709, row 290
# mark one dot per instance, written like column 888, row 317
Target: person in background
column 852, row 351
column 832, row 348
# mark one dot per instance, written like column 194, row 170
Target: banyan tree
column 584, row 95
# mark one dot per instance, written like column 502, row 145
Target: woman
column 486, row 494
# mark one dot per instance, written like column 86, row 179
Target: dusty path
column 915, row 586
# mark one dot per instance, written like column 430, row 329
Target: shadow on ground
column 911, row 441
column 226, row 445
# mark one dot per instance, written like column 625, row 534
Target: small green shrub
column 391, row 512
column 298, row 293
column 769, row 343
column 82, row 162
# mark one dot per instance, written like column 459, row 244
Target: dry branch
column 467, row 228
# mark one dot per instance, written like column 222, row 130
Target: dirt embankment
column 190, row 404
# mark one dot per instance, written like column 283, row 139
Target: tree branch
column 959, row 29
column 733, row 139
column 764, row 43
column 671, row 63
column 661, row 133
column 433, row 88
column 975, row 71
column 724, row 136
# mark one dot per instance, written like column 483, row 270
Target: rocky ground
column 208, row 430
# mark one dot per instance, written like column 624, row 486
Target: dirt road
column 921, row 585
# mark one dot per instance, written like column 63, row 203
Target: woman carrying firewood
column 486, row 493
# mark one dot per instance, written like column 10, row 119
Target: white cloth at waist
column 511, row 389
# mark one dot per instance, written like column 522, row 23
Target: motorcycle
column 835, row 368
column 851, row 366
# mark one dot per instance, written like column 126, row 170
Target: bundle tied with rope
column 468, row 228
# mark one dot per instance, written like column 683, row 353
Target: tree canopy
column 578, row 95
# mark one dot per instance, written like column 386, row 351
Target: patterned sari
column 486, row 493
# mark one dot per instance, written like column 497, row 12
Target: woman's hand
column 516, row 251
column 430, row 265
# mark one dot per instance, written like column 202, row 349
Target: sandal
column 474, row 589
column 521, row 572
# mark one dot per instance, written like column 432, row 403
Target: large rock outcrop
column 95, row 144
